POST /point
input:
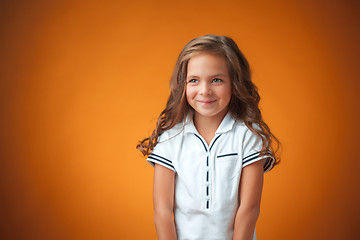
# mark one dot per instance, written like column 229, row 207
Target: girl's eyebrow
column 215, row 75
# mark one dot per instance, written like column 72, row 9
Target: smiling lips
column 206, row 101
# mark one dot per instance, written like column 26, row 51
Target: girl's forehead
column 207, row 62
column 206, row 53
column 203, row 56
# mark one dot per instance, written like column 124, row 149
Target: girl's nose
column 205, row 89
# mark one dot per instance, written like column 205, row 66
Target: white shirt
column 207, row 176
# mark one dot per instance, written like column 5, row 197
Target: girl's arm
column 250, row 188
column 163, row 196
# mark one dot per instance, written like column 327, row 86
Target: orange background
column 82, row 82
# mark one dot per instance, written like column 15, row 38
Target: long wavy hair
column 244, row 103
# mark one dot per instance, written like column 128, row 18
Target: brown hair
column 244, row 103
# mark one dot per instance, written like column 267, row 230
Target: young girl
column 210, row 146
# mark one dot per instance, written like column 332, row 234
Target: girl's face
column 208, row 85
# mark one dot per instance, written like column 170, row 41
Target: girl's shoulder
column 242, row 131
column 172, row 134
column 240, row 125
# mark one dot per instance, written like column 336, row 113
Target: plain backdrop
column 81, row 82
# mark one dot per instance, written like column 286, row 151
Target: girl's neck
column 207, row 126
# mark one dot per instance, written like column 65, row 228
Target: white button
column 207, row 183
column 207, row 197
column 207, row 169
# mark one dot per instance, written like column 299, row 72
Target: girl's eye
column 193, row 80
column 217, row 80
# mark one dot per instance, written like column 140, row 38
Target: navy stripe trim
column 201, row 141
column 244, row 162
column 254, row 154
column 229, row 154
column 214, row 142
column 268, row 162
column 250, row 155
column 159, row 158
column 155, row 155
column 160, row 161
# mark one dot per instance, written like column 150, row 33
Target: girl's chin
column 205, row 114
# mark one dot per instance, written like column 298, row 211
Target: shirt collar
column 189, row 126
column 226, row 124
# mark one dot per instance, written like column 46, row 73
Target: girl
column 210, row 146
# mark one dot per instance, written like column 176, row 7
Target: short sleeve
column 161, row 153
column 252, row 146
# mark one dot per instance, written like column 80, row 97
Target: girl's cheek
column 189, row 92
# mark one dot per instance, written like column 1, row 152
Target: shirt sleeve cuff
column 254, row 157
column 154, row 158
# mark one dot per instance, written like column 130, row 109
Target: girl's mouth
column 207, row 101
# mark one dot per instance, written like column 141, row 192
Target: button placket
column 207, row 196
column 207, row 172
